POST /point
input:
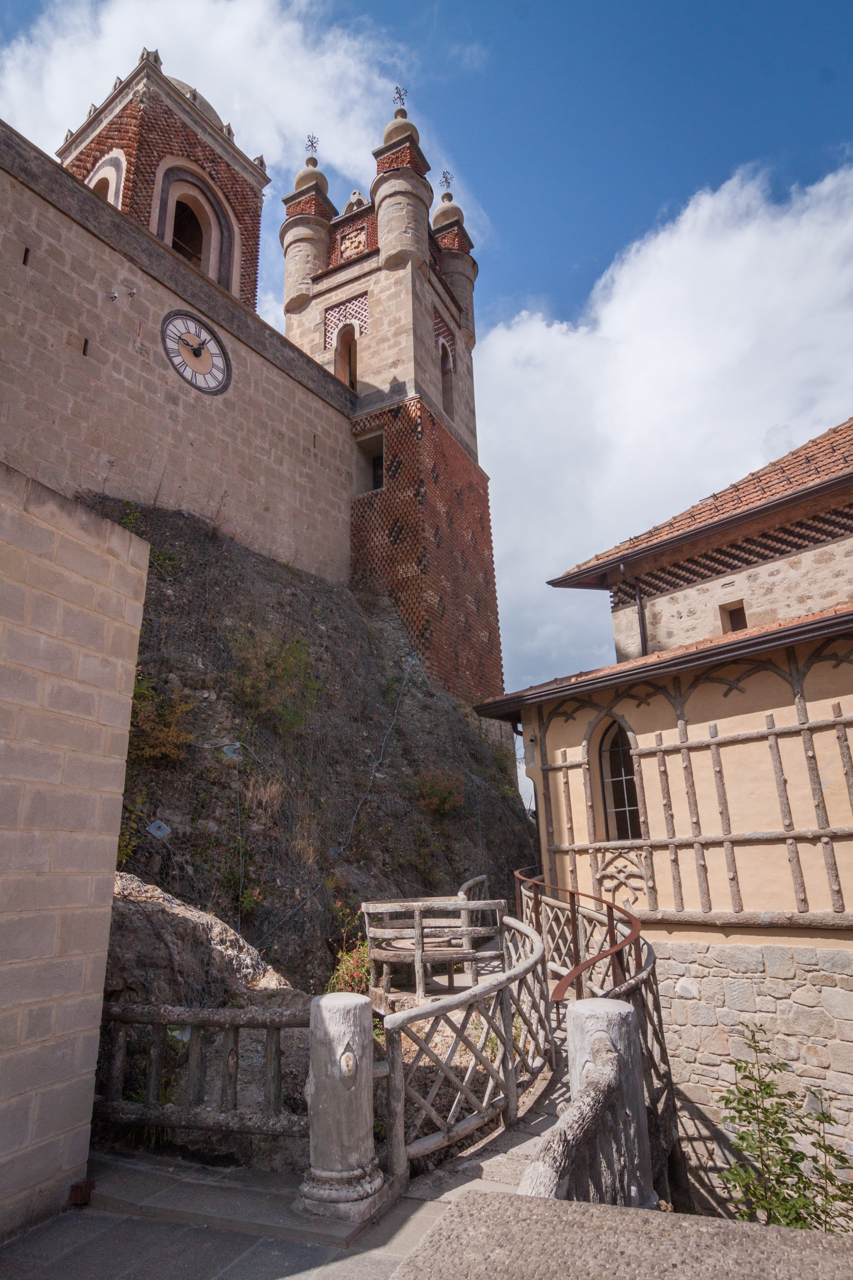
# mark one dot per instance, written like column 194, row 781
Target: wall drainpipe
column 641, row 614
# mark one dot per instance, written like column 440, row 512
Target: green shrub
column 156, row 734
column 273, row 680
column 439, row 791
column 352, row 971
column 789, row 1173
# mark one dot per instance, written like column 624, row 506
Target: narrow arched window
column 188, row 236
column 102, row 188
column 619, row 789
column 446, row 380
column 346, row 348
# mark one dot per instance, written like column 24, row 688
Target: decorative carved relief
column 354, row 243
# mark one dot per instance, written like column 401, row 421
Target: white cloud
column 713, row 345
column 273, row 68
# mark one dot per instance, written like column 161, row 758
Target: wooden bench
column 427, row 932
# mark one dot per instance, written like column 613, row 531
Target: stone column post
column 344, row 1180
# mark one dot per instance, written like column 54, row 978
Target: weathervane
column 400, row 96
column 446, row 179
column 312, row 144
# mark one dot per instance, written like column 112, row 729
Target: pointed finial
column 311, row 144
column 400, row 96
column 446, row 179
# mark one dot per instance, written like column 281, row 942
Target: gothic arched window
column 346, row 347
column 188, row 234
column 446, row 379
column 619, row 789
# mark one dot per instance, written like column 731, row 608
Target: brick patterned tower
column 158, row 151
column 386, row 302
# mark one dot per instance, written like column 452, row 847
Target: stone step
column 247, row 1201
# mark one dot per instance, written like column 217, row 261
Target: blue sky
column 661, row 199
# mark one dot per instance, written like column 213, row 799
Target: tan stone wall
column 790, row 587
column 270, row 462
column 397, row 356
column 802, row 996
column 71, row 592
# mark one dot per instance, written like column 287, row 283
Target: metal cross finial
column 312, row 144
column 400, row 96
column 446, row 179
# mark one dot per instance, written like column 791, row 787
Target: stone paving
column 152, row 1217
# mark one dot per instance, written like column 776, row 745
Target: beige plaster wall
column 269, row 461
column 786, row 588
column 740, row 706
column 71, row 593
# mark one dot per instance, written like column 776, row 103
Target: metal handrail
column 606, row 909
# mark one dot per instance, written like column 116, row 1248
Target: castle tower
column 385, row 302
column 158, row 151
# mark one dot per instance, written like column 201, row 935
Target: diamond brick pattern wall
column 353, row 310
column 425, row 539
column 147, row 131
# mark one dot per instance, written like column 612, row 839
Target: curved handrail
column 482, row 990
column 574, row 976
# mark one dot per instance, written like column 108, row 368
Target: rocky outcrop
column 165, row 952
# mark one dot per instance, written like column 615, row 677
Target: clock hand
column 195, row 350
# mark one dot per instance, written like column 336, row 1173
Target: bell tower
column 158, row 151
column 385, row 301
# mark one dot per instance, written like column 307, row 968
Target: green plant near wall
column 439, row 792
column 157, row 735
column 789, row 1172
column 274, row 681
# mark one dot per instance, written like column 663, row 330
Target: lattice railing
column 197, row 1037
column 459, row 1062
column 595, row 950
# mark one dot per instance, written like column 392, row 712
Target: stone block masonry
column 89, row 401
column 425, row 539
column 801, row 995
column 71, row 591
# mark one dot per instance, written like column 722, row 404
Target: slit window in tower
column 188, row 236
column 618, row 786
column 446, row 380
column 346, row 368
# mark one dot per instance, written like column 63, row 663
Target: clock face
column 196, row 352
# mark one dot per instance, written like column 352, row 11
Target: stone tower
column 158, row 151
column 386, row 302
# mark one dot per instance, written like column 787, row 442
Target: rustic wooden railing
column 225, row 1114
column 459, row 1062
column 596, row 951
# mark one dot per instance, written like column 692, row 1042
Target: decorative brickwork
column 455, row 237
column 353, row 236
column 425, row 539
column 443, row 333
column 800, row 536
column 147, row 130
column 314, row 204
column 406, row 156
column 354, row 311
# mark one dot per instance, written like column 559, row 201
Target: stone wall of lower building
column 801, row 995
column 71, row 591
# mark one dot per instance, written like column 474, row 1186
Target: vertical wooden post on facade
column 844, row 751
column 669, row 820
column 818, row 800
column 787, row 819
column 693, row 810
column 725, row 821
column 570, row 831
